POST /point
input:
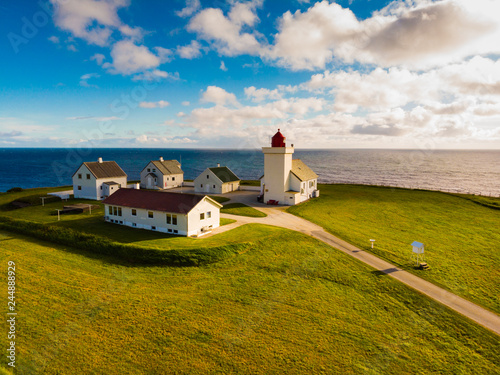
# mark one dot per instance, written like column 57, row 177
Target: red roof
column 278, row 140
column 154, row 200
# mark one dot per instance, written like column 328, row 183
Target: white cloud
column 185, row 103
column 145, row 139
column 191, row 7
column 159, row 104
column 259, row 95
column 94, row 118
column 54, row 39
column 191, row 51
column 84, row 79
column 226, row 33
column 417, row 34
column 129, row 58
column 98, row 57
column 223, row 66
column 164, row 54
column 154, row 75
column 91, row 20
column 219, row 96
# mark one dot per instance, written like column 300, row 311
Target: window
column 115, row 211
column 149, row 169
column 201, row 185
column 79, row 188
column 110, row 210
column 174, row 220
column 176, row 231
column 154, row 169
column 88, row 176
column 150, row 214
column 173, row 178
column 121, row 222
column 302, row 191
column 119, row 211
column 169, row 219
column 112, row 188
column 209, row 214
column 101, row 187
column 80, row 176
column 170, row 231
column 207, row 176
column 202, row 216
column 134, row 212
column 153, row 228
column 214, row 186
column 134, row 224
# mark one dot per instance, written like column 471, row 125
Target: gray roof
column 302, row 171
column 106, row 169
column 224, row 174
column 167, row 167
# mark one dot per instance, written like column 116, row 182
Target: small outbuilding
column 217, row 180
column 98, row 180
column 162, row 174
column 167, row 212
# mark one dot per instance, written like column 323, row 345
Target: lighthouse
column 285, row 180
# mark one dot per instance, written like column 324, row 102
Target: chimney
column 161, row 158
column 99, row 160
column 218, row 164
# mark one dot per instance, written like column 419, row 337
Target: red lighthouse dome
column 278, row 140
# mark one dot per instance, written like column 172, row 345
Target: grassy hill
column 461, row 233
column 290, row 304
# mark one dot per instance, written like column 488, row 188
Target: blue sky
column 417, row 74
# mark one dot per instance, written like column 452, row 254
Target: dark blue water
column 475, row 172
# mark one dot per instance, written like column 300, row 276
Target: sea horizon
column 459, row 171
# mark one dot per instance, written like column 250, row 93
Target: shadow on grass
column 118, row 233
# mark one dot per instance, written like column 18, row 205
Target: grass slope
column 241, row 210
column 294, row 308
column 461, row 237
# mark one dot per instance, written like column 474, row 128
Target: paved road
column 278, row 217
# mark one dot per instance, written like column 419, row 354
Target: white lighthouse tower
column 277, row 167
column 286, row 181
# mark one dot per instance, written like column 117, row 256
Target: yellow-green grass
column 219, row 199
column 461, row 237
column 250, row 182
column 241, row 210
column 288, row 305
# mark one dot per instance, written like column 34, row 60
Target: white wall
column 163, row 181
column 88, row 186
column 277, row 167
column 202, row 184
column 187, row 225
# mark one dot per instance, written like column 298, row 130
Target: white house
column 217, row 180
column 286, row 181
column 162, row 174
column 98, row 180
column 182, row 214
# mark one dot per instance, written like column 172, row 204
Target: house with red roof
column 167, row 212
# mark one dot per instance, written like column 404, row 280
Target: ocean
column 465, row 171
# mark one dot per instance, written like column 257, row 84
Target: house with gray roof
column 162, row 174
column 98, row 180
column 217, row 180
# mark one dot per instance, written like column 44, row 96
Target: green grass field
column 241, row 210
column 461, row 236
column 289, row 305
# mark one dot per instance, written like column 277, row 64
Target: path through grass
column 461, row 237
